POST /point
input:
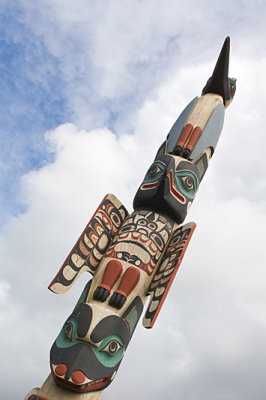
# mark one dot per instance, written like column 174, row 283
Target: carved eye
column 154, row 172
column 122, row 255
column 115, row 219
column 69, row 330
column 154, row 169
column 188, row 182
column 138, row 262
column 112, row 347
column 152, row 226
column 128, row 228
column 142, row 222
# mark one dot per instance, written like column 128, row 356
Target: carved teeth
column 93, row 382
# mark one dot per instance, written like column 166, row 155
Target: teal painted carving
column 135, row 257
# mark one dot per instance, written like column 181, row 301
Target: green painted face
column 67, row 336
column 110, row 351
column 94, row 349
column 154, row 173
column 187, row 183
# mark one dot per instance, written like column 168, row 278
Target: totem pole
column 133, row 257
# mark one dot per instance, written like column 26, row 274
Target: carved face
column 89, row 348
column 170, row 185
column 149, row 233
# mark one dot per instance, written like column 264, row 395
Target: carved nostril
column 60, row 369
column 78, row 377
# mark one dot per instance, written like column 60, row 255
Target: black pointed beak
column 218, row 82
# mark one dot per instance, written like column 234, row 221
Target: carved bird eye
column 154, row 172
column 188, row 182
column 112, row 347
column 69, row 330
column 154, row 169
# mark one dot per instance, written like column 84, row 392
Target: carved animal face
column 149, row 233
column 170, row 185
column 89, row 349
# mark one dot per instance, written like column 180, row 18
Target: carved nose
column 78, row 377
column 60, row 369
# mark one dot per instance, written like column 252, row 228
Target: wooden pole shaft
column 51, row 391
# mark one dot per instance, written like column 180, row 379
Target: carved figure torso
column 130, row 260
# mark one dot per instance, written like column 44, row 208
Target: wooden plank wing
column 92, row 244
column 166, row 272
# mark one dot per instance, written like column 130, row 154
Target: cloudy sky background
column 89, row 91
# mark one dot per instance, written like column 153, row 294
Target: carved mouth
column 90, row 386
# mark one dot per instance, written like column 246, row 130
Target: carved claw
column 101, row 294
column 177, row 150
column 117, row 300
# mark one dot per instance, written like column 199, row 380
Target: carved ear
column 161, row 150
column 202, row 161
column 132, row 314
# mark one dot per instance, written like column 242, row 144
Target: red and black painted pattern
column 93, row 242
column 166, row 272
column 147, row 233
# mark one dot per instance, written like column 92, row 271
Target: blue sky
column 89, row 91
column 59, row 66
column 32, row 102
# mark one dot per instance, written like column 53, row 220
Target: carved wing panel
column 166, row 272
column 92, row 244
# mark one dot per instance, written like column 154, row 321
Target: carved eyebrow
column 111, row 325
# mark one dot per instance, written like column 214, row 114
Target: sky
column 89, row 91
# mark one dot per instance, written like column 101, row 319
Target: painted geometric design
column 139, row 255
column 142, row 240
column 166, row 272
column 92, row 244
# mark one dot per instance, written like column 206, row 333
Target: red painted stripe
column 129, row 281
column 146, row 186
column 173, row 190
column 184, row 135
column 111, row 274
column 194, row 138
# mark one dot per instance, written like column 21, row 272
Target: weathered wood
column 51, row 391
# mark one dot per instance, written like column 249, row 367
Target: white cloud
column 209, row 339
column 112, row 54
column 211, row 325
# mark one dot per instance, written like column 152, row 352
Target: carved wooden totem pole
column 134, row 257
